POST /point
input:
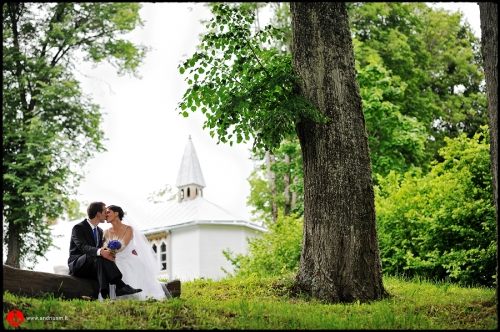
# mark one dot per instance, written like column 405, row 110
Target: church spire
column 190, row 181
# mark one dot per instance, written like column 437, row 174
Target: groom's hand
column 108, row 255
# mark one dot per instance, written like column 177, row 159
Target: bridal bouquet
column 114, row 245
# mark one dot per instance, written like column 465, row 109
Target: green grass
column 270, row 304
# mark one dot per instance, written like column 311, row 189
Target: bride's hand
column 108, row 255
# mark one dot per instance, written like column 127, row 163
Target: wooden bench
column 38, row 284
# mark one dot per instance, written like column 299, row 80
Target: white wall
column 185, row 258
column 214, row 239
column 197, row 250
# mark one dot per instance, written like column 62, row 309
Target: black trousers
column 105, row 271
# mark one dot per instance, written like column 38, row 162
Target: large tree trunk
column 38, row 284
column 340, row 260
column 488, row 12
column 13, row 250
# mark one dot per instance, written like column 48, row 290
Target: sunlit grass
column 255, row 303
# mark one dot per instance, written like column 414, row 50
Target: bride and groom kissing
column 132, row 263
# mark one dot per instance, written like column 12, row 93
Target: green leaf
column 54, row 128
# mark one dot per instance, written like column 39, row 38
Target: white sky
column 146, row 134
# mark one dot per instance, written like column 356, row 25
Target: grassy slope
column 269, row 304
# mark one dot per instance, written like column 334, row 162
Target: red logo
column 15, row 318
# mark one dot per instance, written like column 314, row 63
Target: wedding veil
column 144, row 250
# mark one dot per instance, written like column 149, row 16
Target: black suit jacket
column 82, row 246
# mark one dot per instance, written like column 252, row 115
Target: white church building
column 190, row 233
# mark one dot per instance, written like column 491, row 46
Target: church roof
column 190, row 170
column 175, row 214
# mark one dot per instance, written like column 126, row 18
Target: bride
column 136, row 260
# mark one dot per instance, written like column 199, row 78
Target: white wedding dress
column 139, row 271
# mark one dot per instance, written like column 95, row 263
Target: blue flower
column 113, row 245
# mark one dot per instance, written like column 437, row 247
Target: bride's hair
column 118, row 209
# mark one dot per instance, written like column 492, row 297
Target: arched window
column 182, row 194
column 163, row 254
column 154, row 247
column 188, row 192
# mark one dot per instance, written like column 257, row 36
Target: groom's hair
column 93, row 208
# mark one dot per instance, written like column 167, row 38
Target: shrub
column 441, row 225
column 276, row 253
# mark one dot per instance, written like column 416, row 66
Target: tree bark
column 37, row 284
column 294, row 194
column 488, row 12
column 13, row 251
column 271, row 176
column 340, row 259
column 286, row 180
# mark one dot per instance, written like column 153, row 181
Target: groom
column 87, row 259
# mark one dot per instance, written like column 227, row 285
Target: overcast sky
column 147, row 136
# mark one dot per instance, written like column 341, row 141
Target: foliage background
column 50, row 129
column 425, row 112
column 441, row 224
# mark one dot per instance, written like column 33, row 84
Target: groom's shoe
column 105, row 294
column 127, row 290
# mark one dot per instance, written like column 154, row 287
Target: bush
column 441, row 225
column 276, row 253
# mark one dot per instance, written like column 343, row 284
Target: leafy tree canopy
column 426, row 86
column 243, row 88
column 436, row 56
column 49, row 128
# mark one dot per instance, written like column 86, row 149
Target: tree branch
column 13, row 9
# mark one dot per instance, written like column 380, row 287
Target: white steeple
column 190, row 181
